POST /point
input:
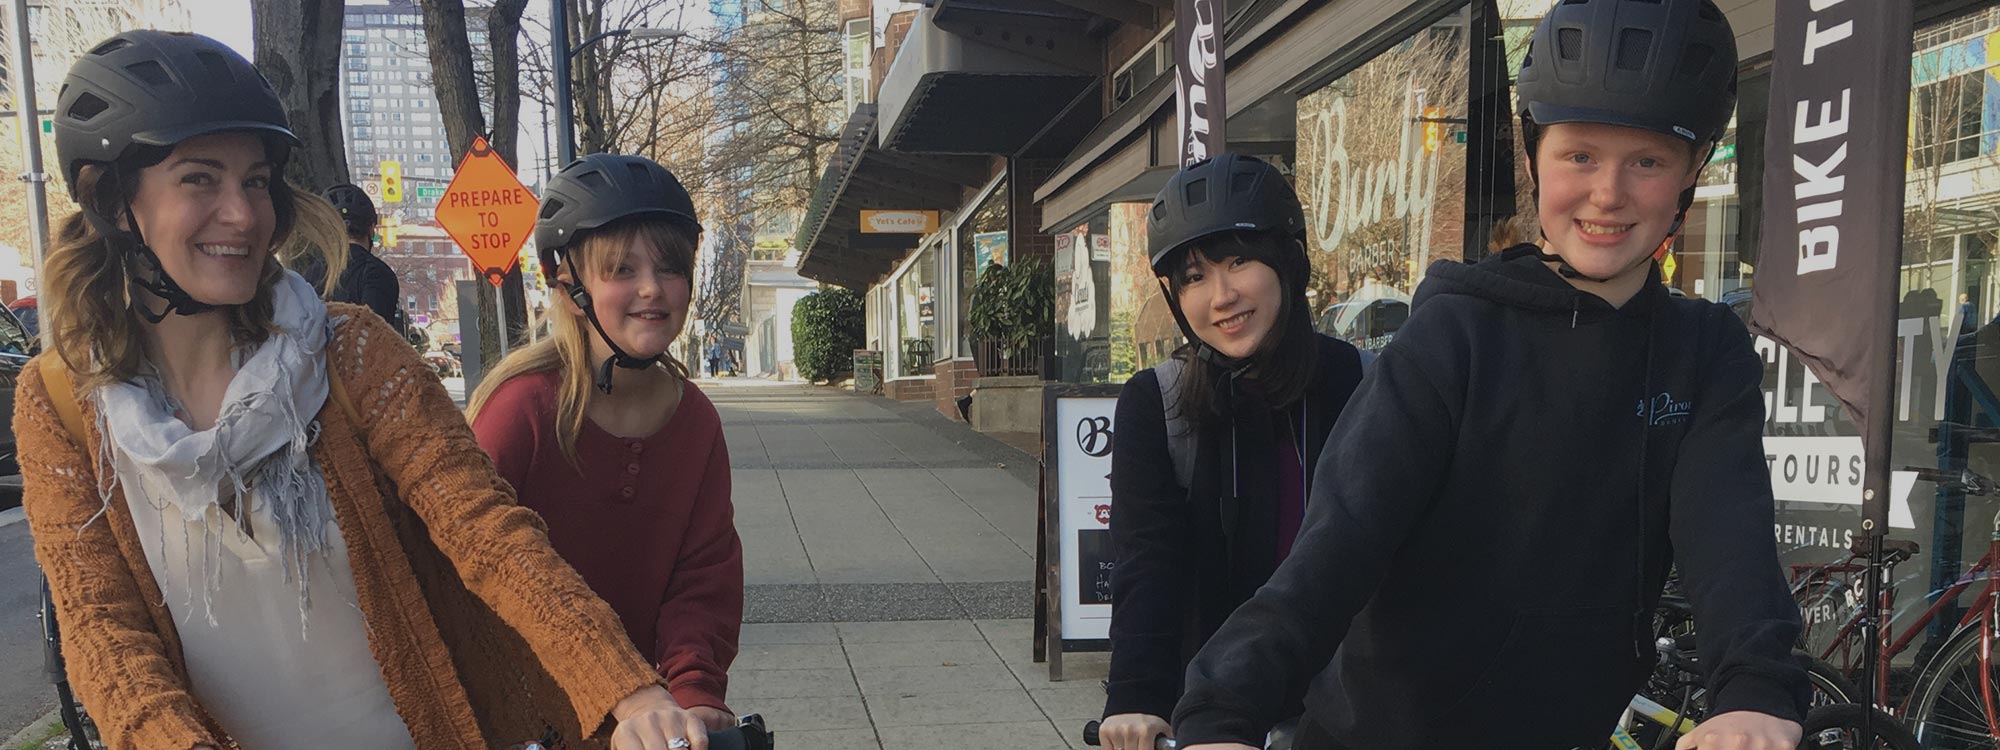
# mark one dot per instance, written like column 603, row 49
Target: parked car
column 1368, row 318
column 25, row 310
column 16, row 346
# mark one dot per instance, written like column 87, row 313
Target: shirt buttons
column 626, row 493
column 636, row 448
column 632, row 469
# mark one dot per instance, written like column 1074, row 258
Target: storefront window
column 982, row 239
column 1381, row 171
column 916, row 312
column 1102, row 316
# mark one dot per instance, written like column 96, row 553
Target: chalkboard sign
column 1076, row 557
column 867, row 371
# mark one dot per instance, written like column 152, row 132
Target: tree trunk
column 458, row 106
column 298, row 48
column 503, row 30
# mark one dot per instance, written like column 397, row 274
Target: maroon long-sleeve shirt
column 646, row 521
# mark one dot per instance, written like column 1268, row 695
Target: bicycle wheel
column 1825, row 606
column 1829, row 686
column 1838, row 727
column 1948, row 709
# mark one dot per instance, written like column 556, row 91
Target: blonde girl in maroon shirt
column 600, row 431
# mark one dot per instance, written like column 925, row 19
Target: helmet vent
column 111, row 46
column 1196, row 192
column 215, row 65
column 1569, row 44
column 639, row 173
column 86, row 106
column 151, row 72
column 1694, row 60
column 551, row 207
column 594, row 180
column 1159, row 210
column 1634, row 48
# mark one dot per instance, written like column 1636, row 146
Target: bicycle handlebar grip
column 1090, row 733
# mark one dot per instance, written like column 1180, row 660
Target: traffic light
column 1433, row 130
column 392, row 182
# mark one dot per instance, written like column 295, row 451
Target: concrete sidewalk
column 889, row 556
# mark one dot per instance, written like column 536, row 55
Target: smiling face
column 1231, row 302
column 640, row 294
column 207, row 212
column 1609, row 194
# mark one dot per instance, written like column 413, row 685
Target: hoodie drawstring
column 1575, row 307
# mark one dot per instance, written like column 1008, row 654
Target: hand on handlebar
column 714, row 718
column 649, row 719
column 1132, row 731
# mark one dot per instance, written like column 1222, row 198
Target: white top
column 270, row 682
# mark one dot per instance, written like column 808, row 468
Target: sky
column 226, row 20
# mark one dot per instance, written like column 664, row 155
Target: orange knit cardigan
column 485, row 637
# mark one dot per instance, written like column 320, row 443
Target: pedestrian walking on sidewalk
column 366, row 279
column 239, row 554
column 1495, row 515
column 1214, row 450
column 600, row 430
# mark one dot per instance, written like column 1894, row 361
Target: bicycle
column 1954, row 701
column 748, row 734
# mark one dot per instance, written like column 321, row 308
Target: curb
column 35, row 730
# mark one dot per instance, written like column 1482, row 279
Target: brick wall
column 852, row 9
column 954, row 380
column 911, row 389
column 899, row 27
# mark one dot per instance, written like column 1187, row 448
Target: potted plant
column 1013, row 308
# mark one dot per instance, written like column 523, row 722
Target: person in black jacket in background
column 1212, row 450
column 366, row 279
column 1494, row 517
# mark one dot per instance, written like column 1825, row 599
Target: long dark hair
column 1284, row 362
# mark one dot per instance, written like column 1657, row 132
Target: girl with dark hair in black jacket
column 1214, row 449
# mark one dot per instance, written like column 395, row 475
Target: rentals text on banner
column 1827, row 273
column 1198, row 78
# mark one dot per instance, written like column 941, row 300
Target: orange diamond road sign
column 488, row 212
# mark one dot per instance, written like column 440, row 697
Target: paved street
column 888, row 556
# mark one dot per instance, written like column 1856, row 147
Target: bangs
column 604, row 248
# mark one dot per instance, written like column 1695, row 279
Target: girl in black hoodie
column 1494, row 518
column 1212, row 450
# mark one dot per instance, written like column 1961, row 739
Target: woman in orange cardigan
column 239, row 554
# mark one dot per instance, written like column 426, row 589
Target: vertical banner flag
column 1198, row 79
column 1828, row 271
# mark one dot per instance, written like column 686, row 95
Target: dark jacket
column 1494, row 519
column 1187, row 558
column 367, row 281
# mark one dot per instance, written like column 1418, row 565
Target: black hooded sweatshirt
column 1187, row 556
column 1493, row 519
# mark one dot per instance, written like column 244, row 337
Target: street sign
column 430, row 191
column 898, row 222
column 488, row 212
column 392, row 182
column 372, row 188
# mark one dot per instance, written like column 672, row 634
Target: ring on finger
column 679, row 743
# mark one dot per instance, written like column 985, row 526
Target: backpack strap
column 1180, row 430
column 62, row 394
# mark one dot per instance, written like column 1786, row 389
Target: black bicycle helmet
column 1225, row 193
column 158, row 88
column 593, row 192
column 357, row 210
column 599, row 189
column 1668, row 66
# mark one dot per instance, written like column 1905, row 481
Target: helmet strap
column 1202, row 350
column 618, row 356
column 153, row 276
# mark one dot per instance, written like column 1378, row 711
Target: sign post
column 490, row 214
column 1075, row 556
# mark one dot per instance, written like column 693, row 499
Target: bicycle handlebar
column 1090, row 738
column 750, row 734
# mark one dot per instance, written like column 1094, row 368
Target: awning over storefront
column 862, row 176
column 986, row 76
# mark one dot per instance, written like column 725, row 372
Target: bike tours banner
column 1198, row 78
column 1828, row 275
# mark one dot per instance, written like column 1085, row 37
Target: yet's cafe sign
column 898, row 222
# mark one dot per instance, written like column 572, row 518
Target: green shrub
column 827, row 326
column 1013, row 306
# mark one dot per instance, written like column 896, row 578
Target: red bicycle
column 1954, row 700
